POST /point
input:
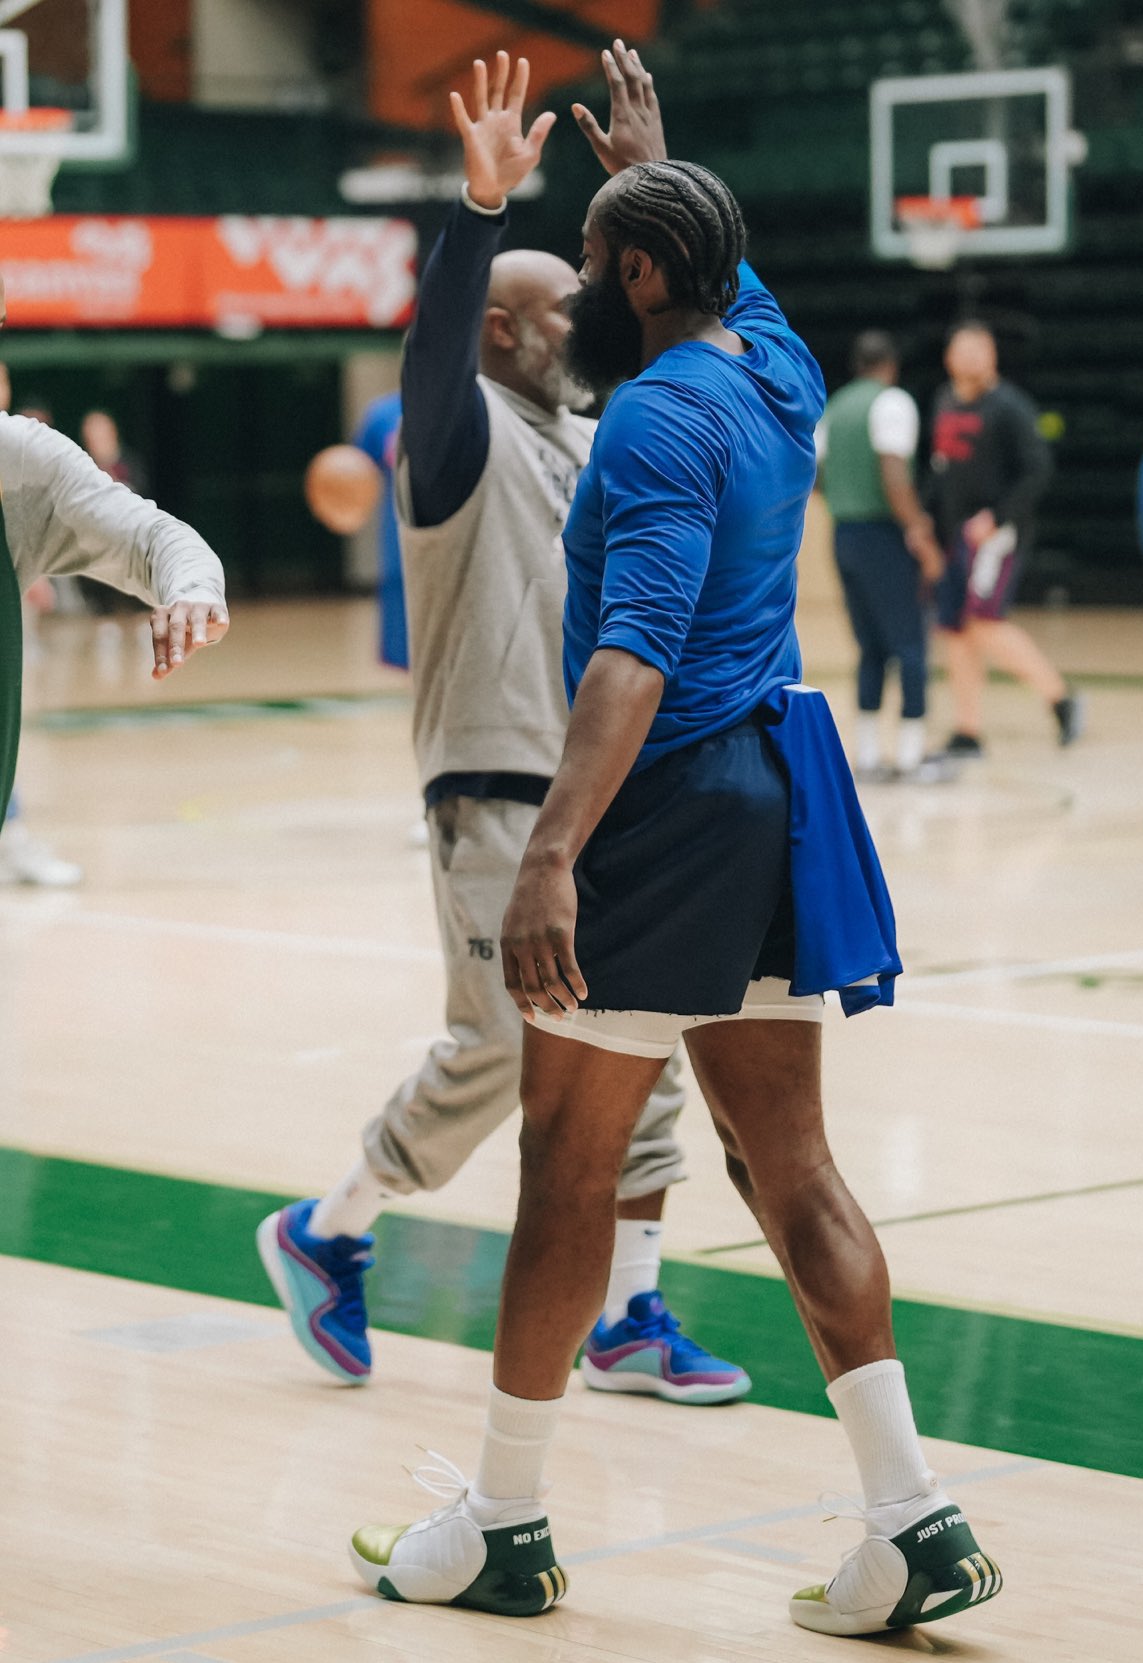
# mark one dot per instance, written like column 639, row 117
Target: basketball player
column 487, row 469
column 654, row 902
column 990, row 468
column 60, row 514
column 885, row 550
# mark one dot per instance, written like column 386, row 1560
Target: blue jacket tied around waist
column 845, row 932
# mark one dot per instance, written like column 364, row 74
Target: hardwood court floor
column 184, row 1490
column 249, row 968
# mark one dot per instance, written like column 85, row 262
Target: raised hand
column 636, row 130
column 497, row 152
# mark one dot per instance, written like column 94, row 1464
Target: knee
column 557, row 1160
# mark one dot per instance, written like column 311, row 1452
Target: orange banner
column 237, row 274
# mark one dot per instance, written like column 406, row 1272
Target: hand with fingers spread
column 537, row 941
column 181, row 629
column 497, row 152
column 636, row 130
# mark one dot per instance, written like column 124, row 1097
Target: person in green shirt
column 886, row 551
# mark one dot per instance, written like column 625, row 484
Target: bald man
column 491, row 450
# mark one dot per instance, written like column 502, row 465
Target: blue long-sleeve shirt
column 682, row 539
column 444, row 417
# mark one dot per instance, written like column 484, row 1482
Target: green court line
column 998, row 1382
column 952, row 1212
column 98, row 719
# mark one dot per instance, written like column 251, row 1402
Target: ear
column 636, row 269
column 500, row 329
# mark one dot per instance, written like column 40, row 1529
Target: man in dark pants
column 885, row 548
column 990, row 467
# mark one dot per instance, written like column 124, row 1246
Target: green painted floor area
column 1037, row 1389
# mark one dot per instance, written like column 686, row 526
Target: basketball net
column 934, row 226
column 26, row 181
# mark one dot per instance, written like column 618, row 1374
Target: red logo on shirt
column 955, row 433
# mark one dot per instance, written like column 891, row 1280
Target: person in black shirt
column 990, row 468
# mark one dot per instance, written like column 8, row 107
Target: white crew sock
column 872, row 1404
column 867, row 753
column 910, row 743
column 516, row 1438
column 351, row 1205
column 634, row 1264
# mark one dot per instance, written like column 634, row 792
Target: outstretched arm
column 65, row 516
column 445, row 420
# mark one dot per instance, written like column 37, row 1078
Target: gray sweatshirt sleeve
column 64, row 516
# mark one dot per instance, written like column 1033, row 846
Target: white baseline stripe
column 1130, row 960
column 383, row 952
column 1090, row 1025
column 320, row 946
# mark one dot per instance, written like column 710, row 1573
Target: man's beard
column 543, row 364
column 605, row 345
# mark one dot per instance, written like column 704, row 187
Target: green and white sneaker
column 487, row 1555
column 930, row 1568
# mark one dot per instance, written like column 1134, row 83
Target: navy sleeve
column 661, row 464
column 1031, row 460
column 445, row 419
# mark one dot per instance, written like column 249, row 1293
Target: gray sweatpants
column 470, row 1083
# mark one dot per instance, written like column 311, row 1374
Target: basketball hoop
column 933, row 227
column 26, row 180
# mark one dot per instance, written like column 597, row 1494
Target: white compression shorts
column 656, row 1033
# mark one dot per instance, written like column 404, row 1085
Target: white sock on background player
column 634, row 1265
column 872, row 1404
column 867, row 750
column 351, row 1205
column 910, row 743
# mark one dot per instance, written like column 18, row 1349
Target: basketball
column 341, row 488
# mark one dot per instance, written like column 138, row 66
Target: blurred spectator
column 885, row 549
column 36, row 409
column 99, row 433
column 990, row 467
column 377, row 436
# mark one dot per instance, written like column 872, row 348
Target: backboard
column 64, row 80
column 1001, row 138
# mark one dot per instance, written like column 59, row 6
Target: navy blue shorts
column 684, row 888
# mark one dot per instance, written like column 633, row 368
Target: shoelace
column 441, row 1477
column 850, row 1509
column 665, row 1326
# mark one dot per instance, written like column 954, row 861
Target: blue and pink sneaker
column 321, row 1284
column 646, row 1352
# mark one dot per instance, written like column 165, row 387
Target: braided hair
column 688, row 222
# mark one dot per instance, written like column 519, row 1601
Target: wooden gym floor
column 247, row 970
